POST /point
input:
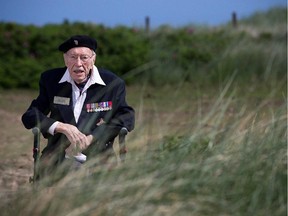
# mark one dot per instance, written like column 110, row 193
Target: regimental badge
column 99, row 107
column 76, row 42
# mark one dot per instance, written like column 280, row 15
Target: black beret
column 78, row 41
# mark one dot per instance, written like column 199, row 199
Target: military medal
column 99, row 107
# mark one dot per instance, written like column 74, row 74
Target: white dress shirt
column 77, row 97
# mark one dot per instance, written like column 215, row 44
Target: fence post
column 234, row 19
column 147, row 24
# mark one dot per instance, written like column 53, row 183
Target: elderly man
column 80, row 108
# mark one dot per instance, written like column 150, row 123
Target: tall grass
column 256, row 50
column 215, row 145
column 231, row 160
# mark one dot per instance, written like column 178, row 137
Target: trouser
column 53, row 164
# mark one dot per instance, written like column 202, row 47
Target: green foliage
column 276, row 15
column 189, row 54
column 121, row 49
column 22, row 73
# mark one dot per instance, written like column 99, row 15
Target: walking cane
column 122, row 147
column 36, row 150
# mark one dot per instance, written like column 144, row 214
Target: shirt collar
column 95, row 77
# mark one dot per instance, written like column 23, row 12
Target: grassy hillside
column 216, row 154
column 165, row 55
column 210, row 136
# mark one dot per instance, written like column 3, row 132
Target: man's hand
column 78, row 140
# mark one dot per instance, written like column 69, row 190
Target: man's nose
column 78, row 61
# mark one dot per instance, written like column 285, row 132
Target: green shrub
column 256, row 50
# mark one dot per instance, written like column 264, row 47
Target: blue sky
column 131, row 13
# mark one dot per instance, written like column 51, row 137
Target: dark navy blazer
column 43, row 111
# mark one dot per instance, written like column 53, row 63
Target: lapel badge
column 61, row 100
column 76, row 42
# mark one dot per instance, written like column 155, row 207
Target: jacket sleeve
column 124, row 115
column 36, row 114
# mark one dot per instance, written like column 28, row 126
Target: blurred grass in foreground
column 228, row 164
column 209, row 140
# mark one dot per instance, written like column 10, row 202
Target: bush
column 187, row 53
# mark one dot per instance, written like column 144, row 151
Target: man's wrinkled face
column 79, row 61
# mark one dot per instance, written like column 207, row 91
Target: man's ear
column 94, row 60
column 65, row 60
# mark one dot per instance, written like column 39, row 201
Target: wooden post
column 234, row 19
column 147, row 24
